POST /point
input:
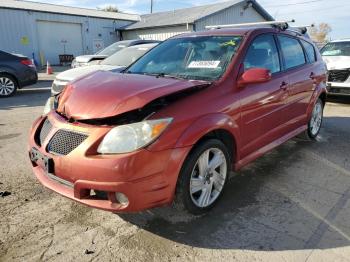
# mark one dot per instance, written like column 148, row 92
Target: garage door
column 58, row 38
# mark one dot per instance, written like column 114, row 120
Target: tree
column 319, row 33
column 109, row 8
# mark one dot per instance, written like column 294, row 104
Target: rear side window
column 292, row 52
column 310, row 51
column 263, row 53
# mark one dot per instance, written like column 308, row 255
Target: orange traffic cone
column 49, row 70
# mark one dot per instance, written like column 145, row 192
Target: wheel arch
column 218, row 126
column 2, row 72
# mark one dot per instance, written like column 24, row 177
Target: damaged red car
column 171, row 127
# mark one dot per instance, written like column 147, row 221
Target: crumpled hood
column 105, row 94
column 71, row 74
column 88, row 58
column 337, row 62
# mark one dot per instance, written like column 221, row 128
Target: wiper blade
column 166, row 76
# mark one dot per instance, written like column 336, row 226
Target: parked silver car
column 114, row 63
column 336, row 54
column 85, row 60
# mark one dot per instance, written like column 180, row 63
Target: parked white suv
column 115, row 63
column 336, row 54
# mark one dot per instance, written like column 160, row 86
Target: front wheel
column 314, row 125
column 203, row 177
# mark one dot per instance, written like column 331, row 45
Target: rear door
column 261, row 104
column 300, row 78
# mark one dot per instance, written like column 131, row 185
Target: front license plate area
column 41, row 160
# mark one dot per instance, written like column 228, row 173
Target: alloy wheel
column 316, row 119
column 208, row 177
column 7, row 86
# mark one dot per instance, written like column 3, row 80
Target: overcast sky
column 334, row 12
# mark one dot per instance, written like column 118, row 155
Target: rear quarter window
column 310, row 51
column 292, row 51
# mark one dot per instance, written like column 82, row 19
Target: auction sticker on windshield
column 204, row 64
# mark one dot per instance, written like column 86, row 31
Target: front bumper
column 147, row 178
column 335, row 88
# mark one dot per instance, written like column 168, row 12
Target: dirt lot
column 291, row 205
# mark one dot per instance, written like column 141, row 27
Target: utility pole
column 151, row 6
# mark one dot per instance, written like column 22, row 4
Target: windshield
column 336, row 49
column 113, row 48
column 126, row 56
column 199, row 58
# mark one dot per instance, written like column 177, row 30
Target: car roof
column 340, row 40
column 148, row 45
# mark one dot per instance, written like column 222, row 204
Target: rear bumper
column 30, row 78
column 147, row 178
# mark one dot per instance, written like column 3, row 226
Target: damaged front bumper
column 148, row 179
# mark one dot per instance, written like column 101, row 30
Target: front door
column 261, row 104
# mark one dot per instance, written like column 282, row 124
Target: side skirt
column 268, row 147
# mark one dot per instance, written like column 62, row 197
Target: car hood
column 106, row 94
column 88, row 58
column 72, row 74
column 337, row 62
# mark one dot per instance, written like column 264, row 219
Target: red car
column 172, row 126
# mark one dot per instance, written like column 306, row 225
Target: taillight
column 27, row 62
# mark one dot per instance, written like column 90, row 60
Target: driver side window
column 263, row 53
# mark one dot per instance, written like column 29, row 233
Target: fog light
column 122, row 199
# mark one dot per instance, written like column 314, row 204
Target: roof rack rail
column 300, row 29
column 281, row 24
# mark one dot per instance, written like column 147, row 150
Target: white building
column 160, row 26
column 45, row 31
column 49, row 30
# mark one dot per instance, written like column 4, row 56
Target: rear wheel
column 203, row 177
column 315, row 122
column 8, row 85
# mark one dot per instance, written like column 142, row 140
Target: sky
column 334, row 12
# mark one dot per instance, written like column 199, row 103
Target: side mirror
column 254, row 76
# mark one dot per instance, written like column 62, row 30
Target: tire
column 315, row 122
column 8, row 85
column 206, row 182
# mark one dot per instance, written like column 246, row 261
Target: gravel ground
column 290, row 205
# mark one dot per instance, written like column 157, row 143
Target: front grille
column 44, row 132
column 338, row 76
column 64, row 141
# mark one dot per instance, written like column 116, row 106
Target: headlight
column 128, row 138
column 49, row 105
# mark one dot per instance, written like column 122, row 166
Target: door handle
column 284, row 85
column 312, row 75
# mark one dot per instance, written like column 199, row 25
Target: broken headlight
column 129, row 138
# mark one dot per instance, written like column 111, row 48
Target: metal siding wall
column 231, row 15
column 15, row 24
column 161, row 33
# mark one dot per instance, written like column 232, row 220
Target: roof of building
column 67, row 10
column 190, row 15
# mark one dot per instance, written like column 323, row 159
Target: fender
column 207, row 124
column 8, row 70
column 319, row 90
